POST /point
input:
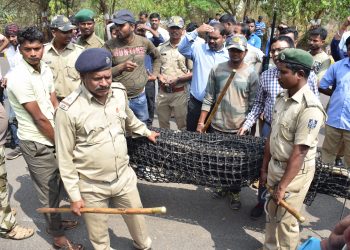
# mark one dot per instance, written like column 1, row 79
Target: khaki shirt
column 92, row 41
column 28, row 85
column 296, row 121
column 90, row 137
column 173, row 64
column 66, row 78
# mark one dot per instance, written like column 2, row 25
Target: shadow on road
column 229, row 229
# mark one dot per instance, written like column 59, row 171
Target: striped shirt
column 266, row 95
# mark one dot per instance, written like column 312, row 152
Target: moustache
column 102, row 88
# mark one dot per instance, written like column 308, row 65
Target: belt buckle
column 167, row 88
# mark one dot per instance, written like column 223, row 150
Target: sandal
column 69, row 245
column 19, row 233
column 66, row 225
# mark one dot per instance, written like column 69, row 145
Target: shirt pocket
column 54, row 73
column 121, row 119
column 72, row 73
column 287, row 131
column 95, row 134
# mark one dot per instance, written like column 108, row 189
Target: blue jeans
column 139, row 106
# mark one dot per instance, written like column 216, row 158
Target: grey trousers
column 43, row 169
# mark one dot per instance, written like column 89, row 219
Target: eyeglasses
column 273, row 51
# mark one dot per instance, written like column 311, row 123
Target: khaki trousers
column 7, row 219
column 336, row 141
column 282, row 229
column 121, row 193
column 168, row 102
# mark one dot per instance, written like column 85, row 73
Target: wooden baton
column 288, row 207
column 100, row 210
column 218, row 101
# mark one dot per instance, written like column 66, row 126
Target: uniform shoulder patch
column 311, row 99
column 312, row 123
column 69, row 100
column 118, row 85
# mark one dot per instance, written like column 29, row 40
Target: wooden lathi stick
column 218, row 101
column 288, row 207
column 98, row 210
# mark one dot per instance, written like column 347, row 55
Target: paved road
column 193, row 221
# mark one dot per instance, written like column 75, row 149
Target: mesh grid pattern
column 219, row 160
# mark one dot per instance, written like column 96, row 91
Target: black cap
column 123, row 16
column 93, row 60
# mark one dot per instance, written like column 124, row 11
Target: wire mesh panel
column 214, row 160
column 219, row 160
column 329, row 179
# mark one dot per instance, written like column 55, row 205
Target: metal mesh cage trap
column 213, row 160
column 219, row 160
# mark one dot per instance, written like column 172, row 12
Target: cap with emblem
column 176, row 21
column 237, row 42
column 62, row 23
column 93, row 60
column 296, row 56
column 123, row 16
column 84, row 15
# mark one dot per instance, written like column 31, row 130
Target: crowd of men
column 71, row 102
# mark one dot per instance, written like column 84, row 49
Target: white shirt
column 163, row 32
column 343, row 40
column 13, row 56
column 27, row 85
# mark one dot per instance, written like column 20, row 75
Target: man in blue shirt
column 253, row 39
column 337, row 129
column 260, row 28
column 204, row 57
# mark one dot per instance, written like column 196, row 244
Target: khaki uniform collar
column 90, row 39
column 50, row 46
column 90, row 97
column 168, row 43
column 298, row 96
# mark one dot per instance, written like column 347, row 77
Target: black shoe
column 257, row 211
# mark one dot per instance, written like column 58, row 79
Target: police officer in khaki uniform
column 60, row 54
column 91, row 148
column 174, row 77
column 289, row 159
column 86, row 24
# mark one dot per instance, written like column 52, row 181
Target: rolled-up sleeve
column 328, row 78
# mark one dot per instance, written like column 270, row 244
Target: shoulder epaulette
column 118, row 85
column 311, row 100
column 69, row 100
